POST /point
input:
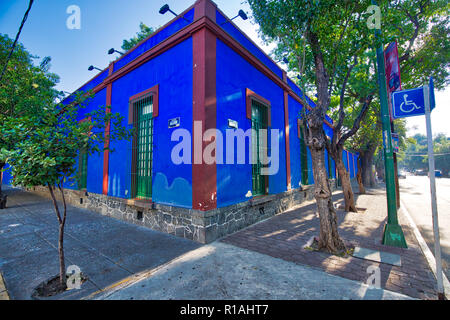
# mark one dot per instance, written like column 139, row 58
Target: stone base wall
column 200, row 226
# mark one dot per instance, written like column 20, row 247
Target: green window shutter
column 82, row 169
column 142, row 177
column 259, row 121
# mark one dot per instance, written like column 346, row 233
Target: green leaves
column 43, row 148
column 144, row 32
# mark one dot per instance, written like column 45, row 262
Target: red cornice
column 186, row 33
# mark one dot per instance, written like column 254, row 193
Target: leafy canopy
column 47, row 144
column 144, row 32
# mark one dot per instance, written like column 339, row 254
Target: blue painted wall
column 172, row 70
column 234, row 74
column 6, row 178
column 155, row 39
column 351, row 171
column 247, row 44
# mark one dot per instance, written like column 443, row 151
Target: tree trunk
column 347, row 190
column 362, row 190
column 61, row 221
column 329, row 237
column 368, row 178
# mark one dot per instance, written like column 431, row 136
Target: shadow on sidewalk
column 285, row 235
column 105, row 249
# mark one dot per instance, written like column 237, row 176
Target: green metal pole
column 393, row 233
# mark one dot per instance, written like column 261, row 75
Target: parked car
column 401, row 175
column 420, row 172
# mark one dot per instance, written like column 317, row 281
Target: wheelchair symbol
column 408, row 106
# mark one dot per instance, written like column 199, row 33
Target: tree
column 144, row 32
column 46, row 149
column 325, row 40
column 442, row 154
column 420, row 29
column 414, row 154
column 366, row 141
column 24, row 89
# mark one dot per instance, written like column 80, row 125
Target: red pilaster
column 204, row 176
column 286, row 135
column 205, row 8
column 107, row 132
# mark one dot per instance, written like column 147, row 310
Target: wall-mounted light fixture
column 165, row 8
column 112, row 50
column 241, row 14
column 92, row 68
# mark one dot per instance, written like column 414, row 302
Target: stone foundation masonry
column 200, row 226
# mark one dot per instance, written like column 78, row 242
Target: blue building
column 198, row 75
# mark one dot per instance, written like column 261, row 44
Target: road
column 415, row 196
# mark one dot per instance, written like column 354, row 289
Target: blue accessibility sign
column 408, row 103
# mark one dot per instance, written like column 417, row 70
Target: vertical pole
column 397, row 186
column 393, row 233
column 437, row 244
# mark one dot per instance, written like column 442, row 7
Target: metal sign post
column 437, row 244
column 393, row 233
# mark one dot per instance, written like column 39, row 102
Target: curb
column 3, row 292
column 426, row 251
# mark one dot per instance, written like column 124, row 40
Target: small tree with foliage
column 144, row 32
column 47, row 147
column 25, row 88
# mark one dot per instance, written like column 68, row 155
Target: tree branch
column 357, row 122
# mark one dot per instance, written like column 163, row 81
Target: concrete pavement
column 125, row 261
column 105, row 249
column 284, row 236
column 222, row 271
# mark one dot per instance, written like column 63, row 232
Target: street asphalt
column 415, row 196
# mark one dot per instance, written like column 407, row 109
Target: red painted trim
column 205, row 8
column 157, row 50
column 107, row 133
column 249, row 96
column 286, row 140
column 155, row 33
column 187, row 32
column 154, row 91
column 204, row 176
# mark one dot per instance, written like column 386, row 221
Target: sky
column 106, row 23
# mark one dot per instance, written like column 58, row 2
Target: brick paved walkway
column 284, row 236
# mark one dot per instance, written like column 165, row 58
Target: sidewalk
column 264, row 261
column 105, row 249
column 221, row 271
column 284, row 236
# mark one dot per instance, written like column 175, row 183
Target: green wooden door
column 259, row 121
column 144, row 157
